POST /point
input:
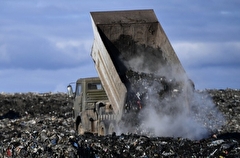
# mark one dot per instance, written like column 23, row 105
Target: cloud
column 4, row 57
column 201, row 21
column 54, row 35
column 40, row 46
column 38, row 53
column 203, row 54
column 211, row 65
column 24, row 80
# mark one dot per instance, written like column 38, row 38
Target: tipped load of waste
column 147, row 88
column 41, row 125
column 160, row 106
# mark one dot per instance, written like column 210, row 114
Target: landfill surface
column 41, row 125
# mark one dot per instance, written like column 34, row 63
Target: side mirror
column 69, row 91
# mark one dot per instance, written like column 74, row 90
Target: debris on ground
column 41, row 125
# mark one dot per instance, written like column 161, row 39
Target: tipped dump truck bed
column 130, row 41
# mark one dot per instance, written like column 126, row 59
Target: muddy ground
column 41, row 125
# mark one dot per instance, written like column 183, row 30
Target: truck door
column 78, row 100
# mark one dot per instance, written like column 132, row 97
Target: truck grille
column 96, row 95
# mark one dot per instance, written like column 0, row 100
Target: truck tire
column 102, row 129
column 111, row 128
column 80, row 129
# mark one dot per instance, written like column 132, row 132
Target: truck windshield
column 78, row 89
column 95, row 86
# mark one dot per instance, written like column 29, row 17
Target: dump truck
column 134, row 61
column 91, row 107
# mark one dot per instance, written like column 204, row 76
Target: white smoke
column 176, row 119
column 179, row 125
column 184, row 113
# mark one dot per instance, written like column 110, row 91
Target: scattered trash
column 43, row 127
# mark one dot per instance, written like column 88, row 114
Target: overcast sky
column 45, row 45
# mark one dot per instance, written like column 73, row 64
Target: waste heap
column 41, row 125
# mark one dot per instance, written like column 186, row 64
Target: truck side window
column 99, row 86
column 94, row 86
column 78, row 90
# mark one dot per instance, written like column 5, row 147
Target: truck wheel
column 102, row 130
column 111, row 128
column 80, row 129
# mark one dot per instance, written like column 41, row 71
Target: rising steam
column 183, row 112
column 193, row 122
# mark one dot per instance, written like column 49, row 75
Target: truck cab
column 92, row 111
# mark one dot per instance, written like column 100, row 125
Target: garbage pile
column 41, row 125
